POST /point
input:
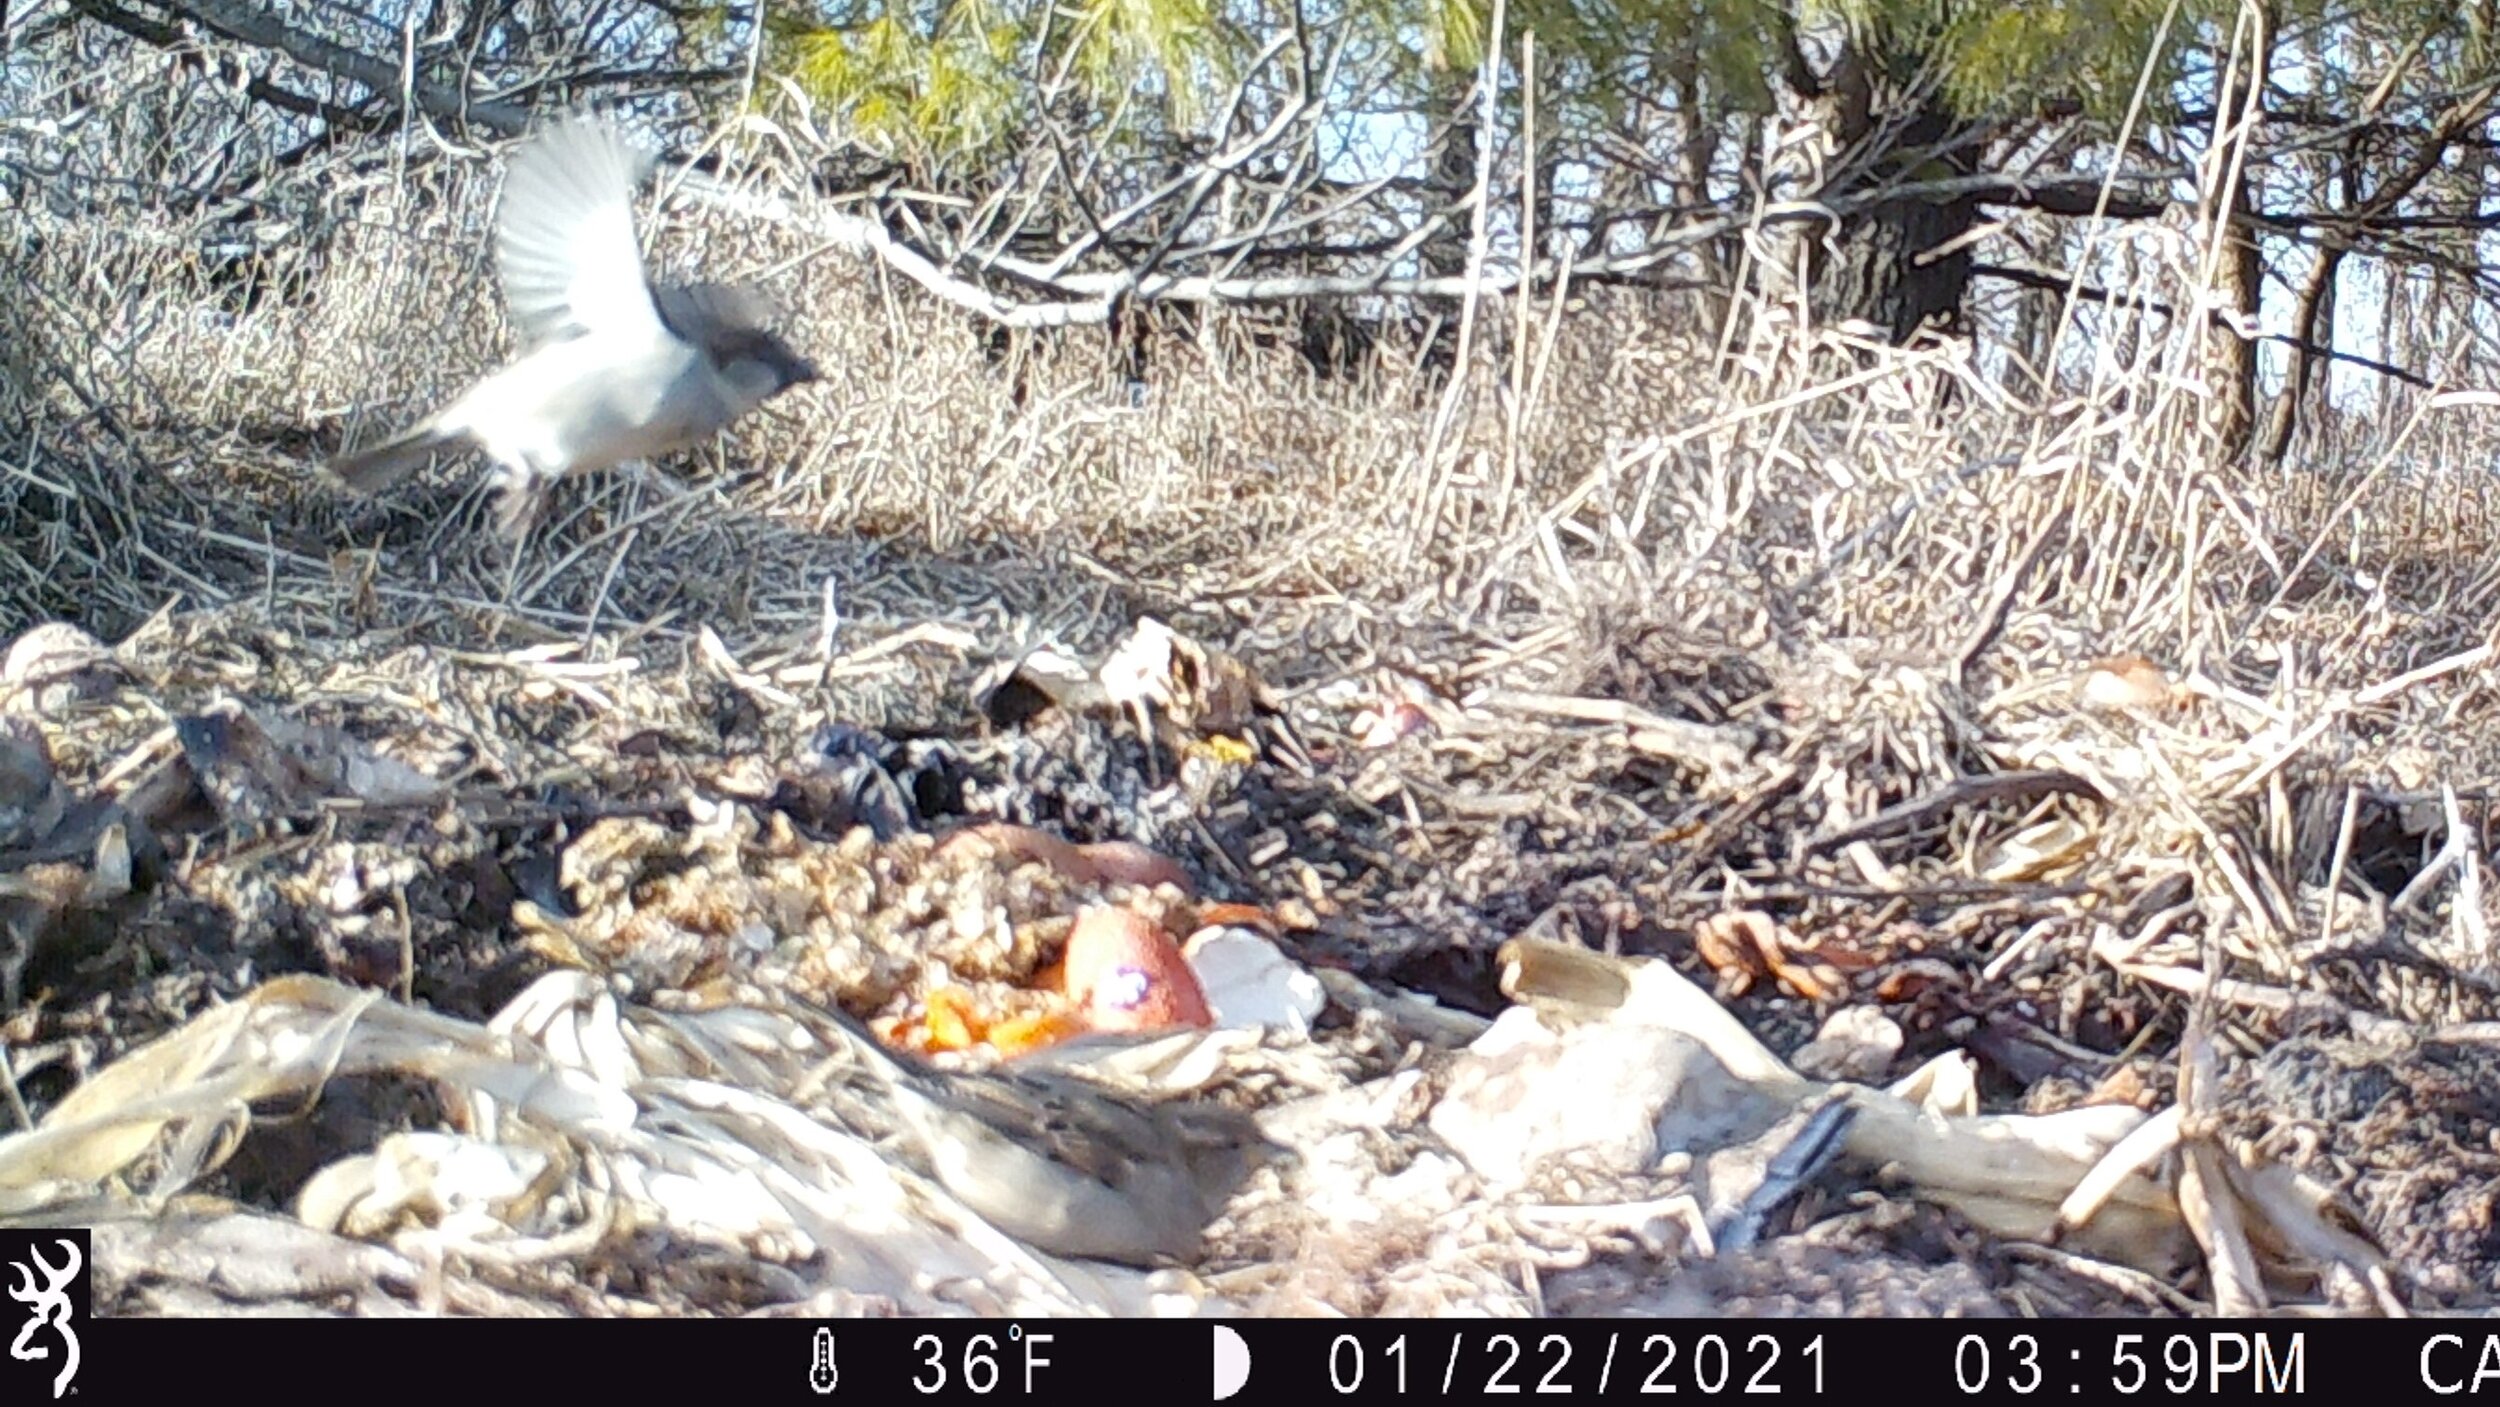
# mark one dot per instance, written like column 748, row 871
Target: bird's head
column 762, row 366
column 787, row 365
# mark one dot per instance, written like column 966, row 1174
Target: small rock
column 1856, row 1043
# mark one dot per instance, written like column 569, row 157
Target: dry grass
column 169, row 432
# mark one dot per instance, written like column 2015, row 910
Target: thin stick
column 1527, row 293
column 17, row 1101
column 2335, row 867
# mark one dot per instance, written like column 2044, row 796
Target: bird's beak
column 801, row 371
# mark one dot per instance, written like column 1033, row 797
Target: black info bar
column 1301, row 1362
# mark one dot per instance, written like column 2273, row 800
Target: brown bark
column 1883, row 266
column 1452, row 113
column 2243, row 285
column 1698, row 150
column 2241, row 276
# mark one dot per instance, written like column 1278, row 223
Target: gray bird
column 1067, row 1165
column 615, row 367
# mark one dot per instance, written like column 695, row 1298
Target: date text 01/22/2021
column 1551, row 1362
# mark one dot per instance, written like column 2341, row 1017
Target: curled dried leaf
column 2126, row 682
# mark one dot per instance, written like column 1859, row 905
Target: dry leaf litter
column 383, row 980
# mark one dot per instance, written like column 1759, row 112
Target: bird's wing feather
column 565, row 236
column 378, row 466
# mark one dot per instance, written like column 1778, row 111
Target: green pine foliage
column 942, row 80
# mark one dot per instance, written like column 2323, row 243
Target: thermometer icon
column 820, row 1373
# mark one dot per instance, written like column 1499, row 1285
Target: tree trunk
column 1697, row 146
column 2243, row 288
column 1877, row 275
column 1881, row 265
column 1451, row 111
column 2313, row 325
column 2027, row 369
column 2242, row 274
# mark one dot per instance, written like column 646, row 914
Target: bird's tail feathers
column 376, row 467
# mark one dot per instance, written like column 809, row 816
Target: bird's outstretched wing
column 565, row 236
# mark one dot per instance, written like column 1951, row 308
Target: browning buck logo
column 46, row 1271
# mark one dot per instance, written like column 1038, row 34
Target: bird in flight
column 614, row 366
